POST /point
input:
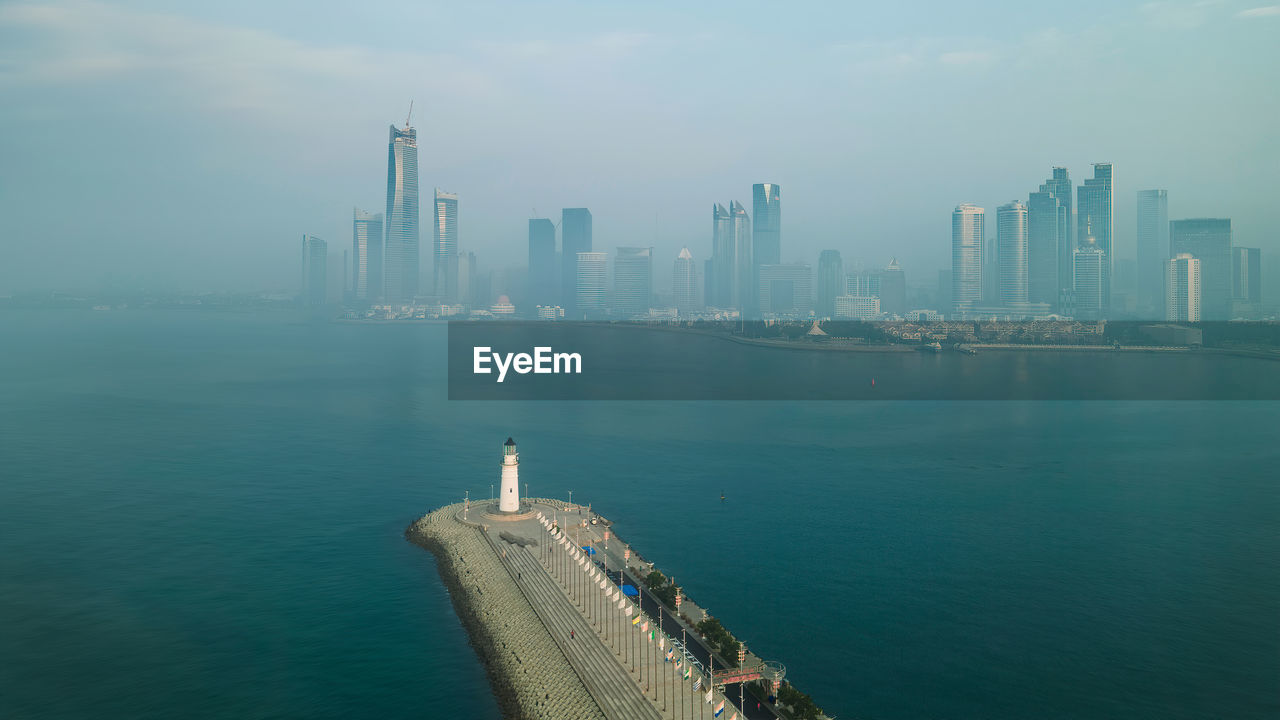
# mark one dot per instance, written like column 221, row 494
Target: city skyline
column 868, row 157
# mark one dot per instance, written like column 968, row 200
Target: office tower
column 1088, row 263
column 967, row 232
column 1011, row 234
column 893, row 289
column 589, row 285
column 1093, row 220
column 543, row 289
column 366, row 255
column 632, row 281
column 315, row 257
column 1153, row 251
column 1209, row 241
column 466, row 275
column 444, row 255
column 1182, row 288
column 766, row 239
column 575, row 238
column 720, row 281
column 854, row 307
column 786, row 290
column 831, row 282
column 1059, row 185
column 1046, row 230
column 744, row 265
column 863, row 283
column 400, row 253
column 1246, row 275
column 684, row 282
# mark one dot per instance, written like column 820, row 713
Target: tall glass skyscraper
column 1153, row 251
column 592, row 273
column 1011, row 243
column 1094, row 211
column 1059, row 185
column 766, row 244
column 1046, row 231
column 1182, row 288
column 445, row 250
column 967, row 229
column 830, row 282
column 315, row 272
column 721, row 280
column 1209, row 241
column 743, row 257
column 366, row 255
column 893, row 289
column 543, row 289
column 632, row 281
column 575, row 238
column 684, row 282
column 1088, row 268
column 400, row 256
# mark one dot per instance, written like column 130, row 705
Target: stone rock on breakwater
column 529, row 674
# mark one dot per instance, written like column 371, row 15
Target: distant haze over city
column 187, row 147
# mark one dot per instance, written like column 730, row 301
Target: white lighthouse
column 509, row 499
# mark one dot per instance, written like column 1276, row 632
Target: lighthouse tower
column 509, row 499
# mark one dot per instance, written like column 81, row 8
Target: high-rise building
column 786, row 290
column 445, row 253
column 856, row 307
column 1088, row 263
column 592, row 270
column 400, row 254
column 1182, row 288
column 967, row 232
column 1059, row 185
column 1011, row 239
column 366, row 255
column 743, row 295
column 575, row 238
column 632, row 281
column 1153, row 251
column 315, row 273
column 543, row 289
column 1246, row 275
column 1046, row 231
column 893, row 289
column 864, row 283
column 1209, row 241
column 720, row 281
column 466, row 274
column 766, row 242
column 1094, row 208
column 831, row 282
column 684, row 282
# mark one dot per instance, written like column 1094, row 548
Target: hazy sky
column 188, row 146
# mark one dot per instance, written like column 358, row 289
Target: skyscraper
column 967, row 230
column 743, row 257
column 830, row 282
column 1246, row 276
column 1209, row 241
column 315, row 270
column 893, row 289
column 684, row 282
column 766, row 243
column 366, row 254
column 632, row 281
column 1011, row 234
column 575, row 238
column 720, row 283
column 1153, row 251
column 1046, row 232
column 1059, row 185
column 400, row 256
column 786, row 290
column 1094, row 210
column 465, row 265
column 592, row 270
column 444, row 255
column 1182, row 288
column 543, row 289
column 1088, row 271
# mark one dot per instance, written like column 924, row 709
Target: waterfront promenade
column 558, row 633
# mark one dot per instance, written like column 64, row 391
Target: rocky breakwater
column 530, row 676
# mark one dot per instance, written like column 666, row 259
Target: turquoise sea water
column 201, row 515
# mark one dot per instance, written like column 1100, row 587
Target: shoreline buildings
column 1153, row 251
column 444, row 256
column 366, row 255
column 400, row 256
column 1094, row 208
column 968, row 223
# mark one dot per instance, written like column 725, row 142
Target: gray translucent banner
column 634, row 361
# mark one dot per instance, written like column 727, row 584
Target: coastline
column 528, row 673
